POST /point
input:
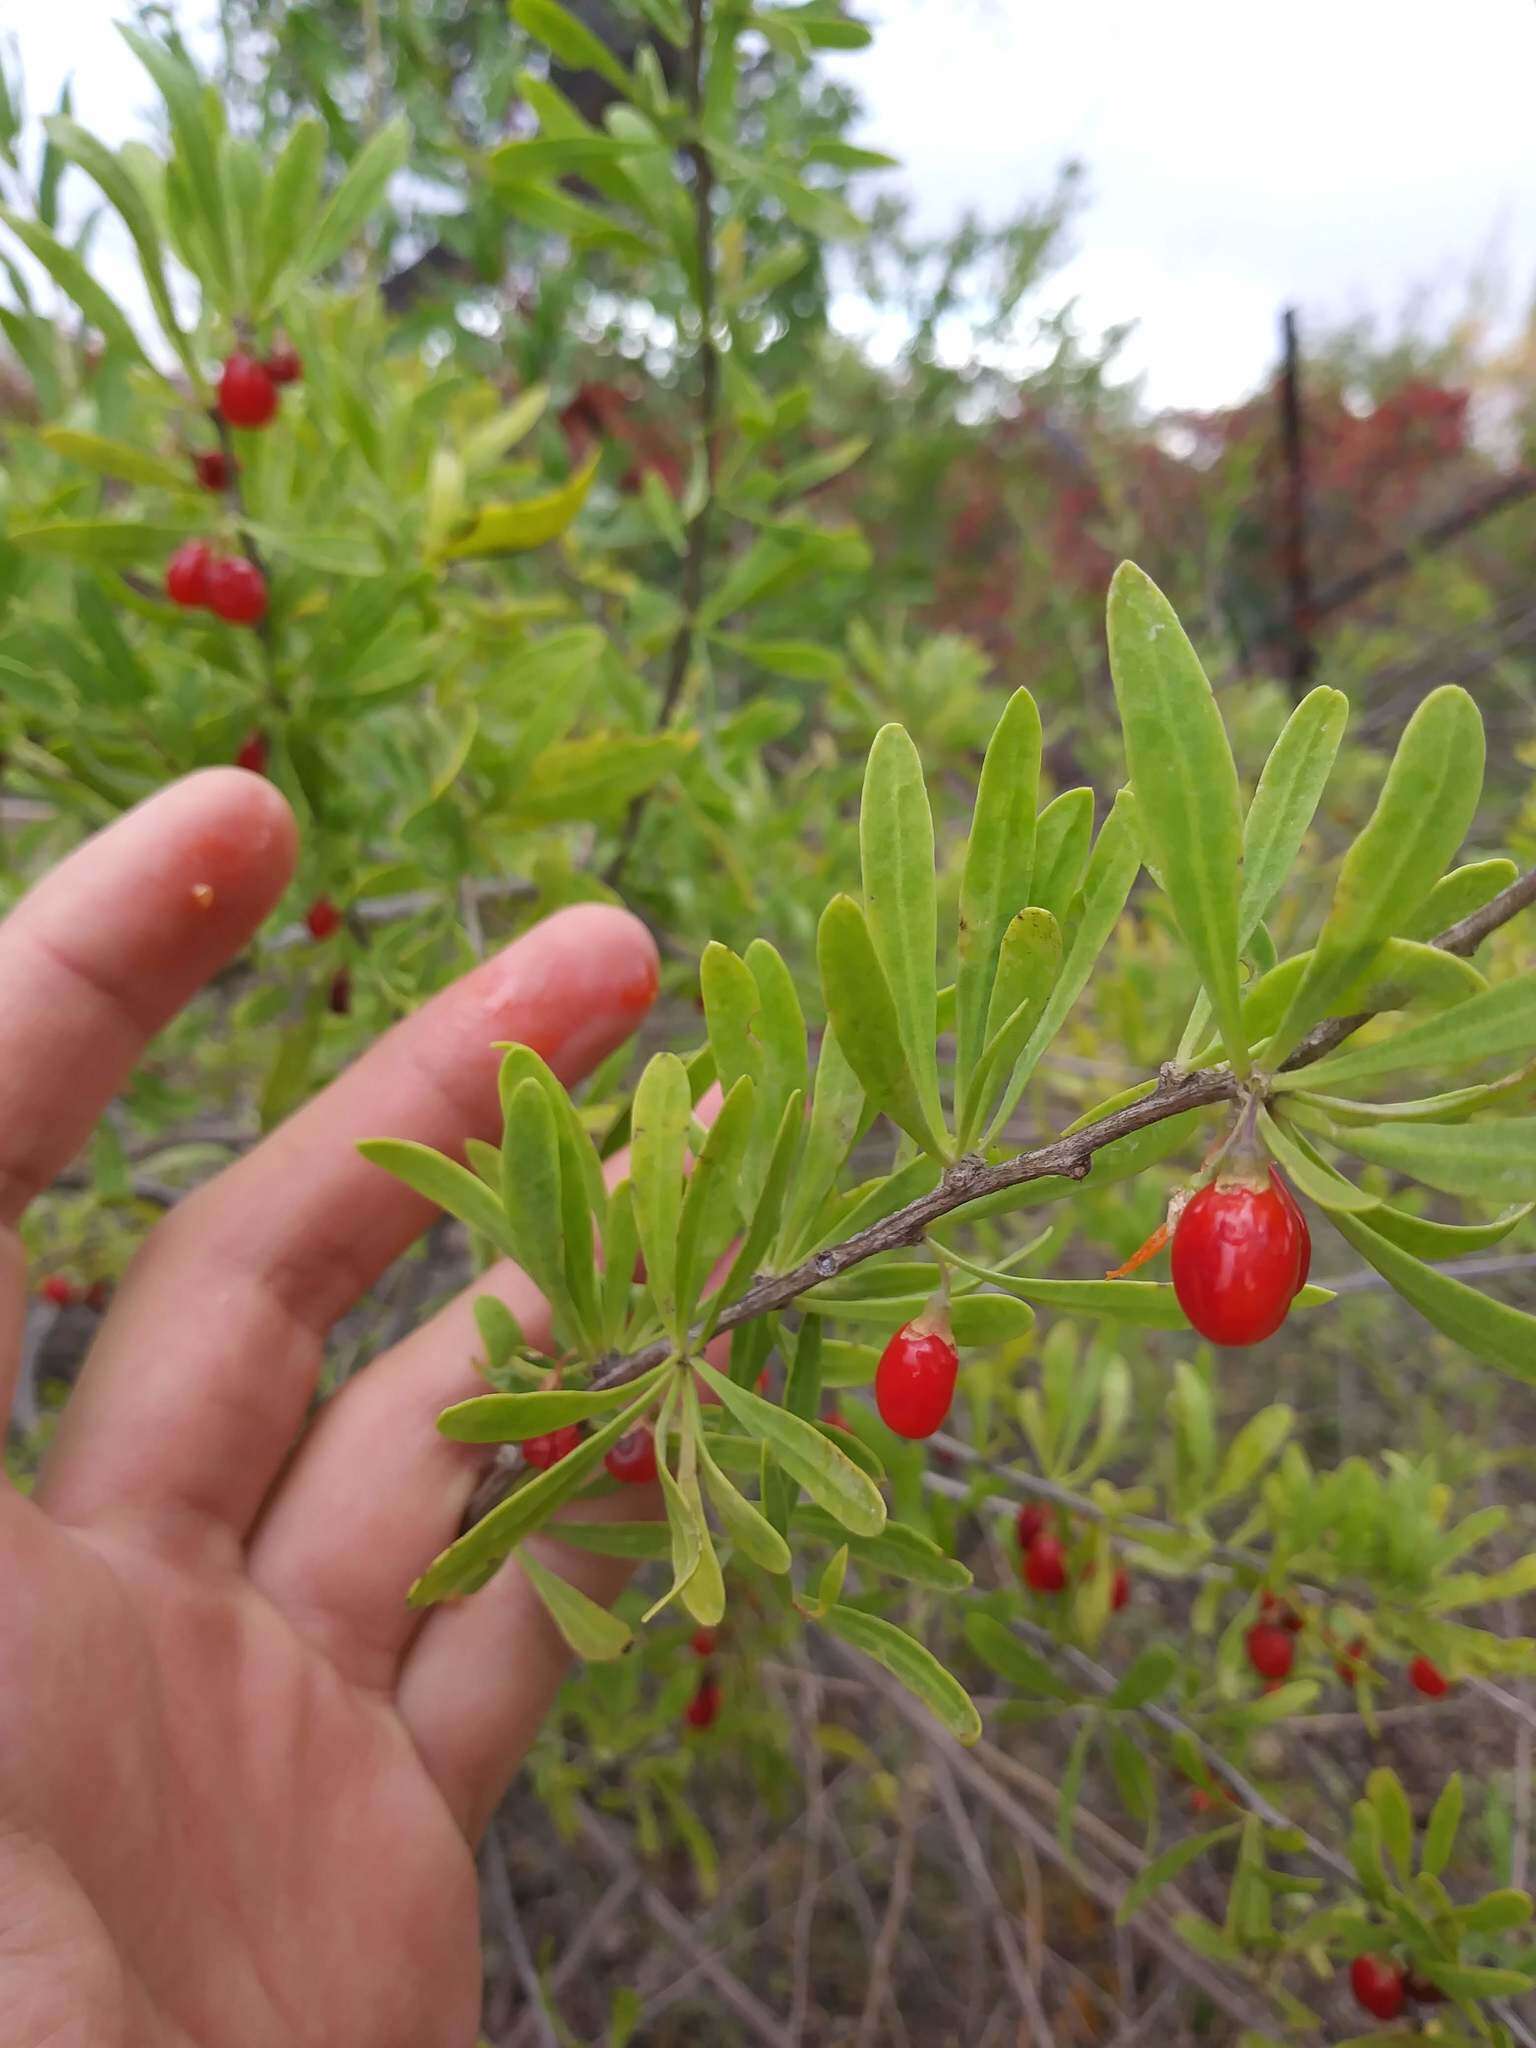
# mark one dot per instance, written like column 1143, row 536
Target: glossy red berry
column 1428, row 1679
column 1271, row 1650
column 58, row 1290
column 1045, row 1565
column 633, row 1458
column 1421, row 1990
column 1378, row 1985
column 543, row 1451
column 215, row 471
column 1237, row 1257
column 237, row 590
column 285, row 365
column 186, row 574
column 253, row 754
column 705, row 1704
column 1030, row 1524
column 703, row 1642
column 1283, row 1188
column 915, row 1380
column 340, row 996
column 247, row 394
column 1119, row 1589
column 323, row 918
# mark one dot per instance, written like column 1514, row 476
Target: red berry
column 705, row 1704
column 633, row 1458
column 1120, row 1589
column 1378, row 1985
column 285, row 365
column 703, row 1643
column 1237, row 1252
column 543, row 1451
column 215, row 471
column 1428, row 1679
column 1281, row 1612
column 1271, row 1650
column 340, row 998
column 323, row 918
column 58, row 1290
column 915, row 1381
column 237, row 590
column 1045, row 1565
column 1350, row 1664
column 1421, row 1990
column 1283, row 1189
column 253, row 754
column 1030, row 1524
column 186, row 574
column 247, row 394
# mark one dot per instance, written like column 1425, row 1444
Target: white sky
column 1355, row 156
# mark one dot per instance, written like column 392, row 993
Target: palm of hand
column 240, row 1779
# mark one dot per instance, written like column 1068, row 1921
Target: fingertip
column 623, row 942
column 240, row 828
column 575, row 986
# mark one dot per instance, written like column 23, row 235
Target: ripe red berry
column 285, row 365
column 633, row 1458
column 58, row 1290
column 1030, row 1524
column 1352, row 1662
column 1428, row 1679
column 340, row 997
column 186, row 574
column 237, row 590
column 1120, row 1589
column 215, row 471
column 915, row 1380
column 703, row 1642
column 705, row 1704
column 1271, row 1650
column 323, row 918
column 1237, row 1255
column 1378, row 1985
column 1421, row 1990
column 253, row 754
column 1045, row 1565
column 543, row 1451
column 1283, row 1189
column 247, row 394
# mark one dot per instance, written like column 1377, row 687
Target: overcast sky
column 1352, row 156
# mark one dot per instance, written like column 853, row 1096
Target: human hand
column 240, row 1780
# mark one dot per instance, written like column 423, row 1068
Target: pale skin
column 240, row 1780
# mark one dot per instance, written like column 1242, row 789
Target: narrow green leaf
column 999, row 864
column 621, row 1249
column 1457, row 895
column 899, row 1551
column 1316, row 1179
column 530, row 1187
column 70, row 273
column 1063, row 837
column 915, row 1667
column 1496, row 1912
column 516, row 526
column 828, row 1475
column 467, row 1564
column 1029, row 962
column 1435, row 1241
column 500, row 1331
column 710, row 1214
column 592, row 1632
column 863, row 1013
column 687, row 1534
column 1185, row 781
column 1473, row 1981
column 643, row 1541
column 1261, row 1438
column 571, row 41
column 181, row 90
column 108, row 171
column 1014, row 1660
column 1495, row 1162
column 663, row 1112
column 703, row 1591
column 1072, row 1781
column 1491, row 1330
column 1165, row 1868
column 746, row 1528
column 1153, row 1672
column 1427, row 803
column 836, row 1112
column 443, row 1181
column 766, row 1216
column 289, row 204
column 1441, row 1828
column 513, row 1418
column 1385, row 1791
column 896, row 845
column 1498, row 1024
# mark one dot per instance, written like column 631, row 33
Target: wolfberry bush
column 557, row 547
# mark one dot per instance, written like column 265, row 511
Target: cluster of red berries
column 631, row 1460
column 703, row 1708
column 1271, row 1646
column 250, row 386
column 1241, row 1253
column 59, row 1291
column 1043, row 1559
column 229, row 586
column 1383, row 1986
column 915, row 1379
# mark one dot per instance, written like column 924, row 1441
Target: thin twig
column 879, row 1989
column 510, row 1927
